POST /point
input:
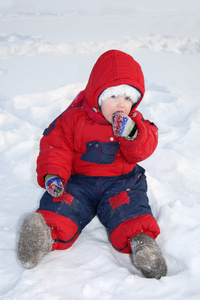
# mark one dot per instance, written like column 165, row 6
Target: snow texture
column 47, row 50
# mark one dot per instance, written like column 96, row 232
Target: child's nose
column 120, row 101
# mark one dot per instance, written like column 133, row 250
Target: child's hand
column 124, row 126
column 54, row 185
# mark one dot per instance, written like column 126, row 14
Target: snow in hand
column 47, row 50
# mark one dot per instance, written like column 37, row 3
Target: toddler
column 88, row 164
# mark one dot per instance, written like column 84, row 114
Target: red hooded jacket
column 81, row 141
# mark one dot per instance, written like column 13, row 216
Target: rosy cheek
column 128, row 108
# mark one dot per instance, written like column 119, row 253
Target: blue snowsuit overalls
column 100, row 171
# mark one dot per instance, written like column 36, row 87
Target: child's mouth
column 117, row 112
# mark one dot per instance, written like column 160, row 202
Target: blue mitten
column 54, row 185
column 124, row 126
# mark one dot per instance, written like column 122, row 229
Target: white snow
column 47, row 50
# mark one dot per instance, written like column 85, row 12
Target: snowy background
column 47, row 50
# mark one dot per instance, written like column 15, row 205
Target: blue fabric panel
column 100, row 152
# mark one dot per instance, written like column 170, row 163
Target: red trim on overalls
column 122, row 236
column 64, row 231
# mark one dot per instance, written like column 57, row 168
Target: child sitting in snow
column 88, row 165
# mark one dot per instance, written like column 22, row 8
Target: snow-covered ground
column 47, row 50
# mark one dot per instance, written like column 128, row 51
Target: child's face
column 113, row 104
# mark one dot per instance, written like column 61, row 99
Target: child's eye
column 113, row 96
column 128, row 98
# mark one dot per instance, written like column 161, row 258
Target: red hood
column 111, row 69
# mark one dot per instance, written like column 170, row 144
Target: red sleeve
column 56, row 149
column 145, row 143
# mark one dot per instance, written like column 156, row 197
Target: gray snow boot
column 147, row 256
column 34, row 241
